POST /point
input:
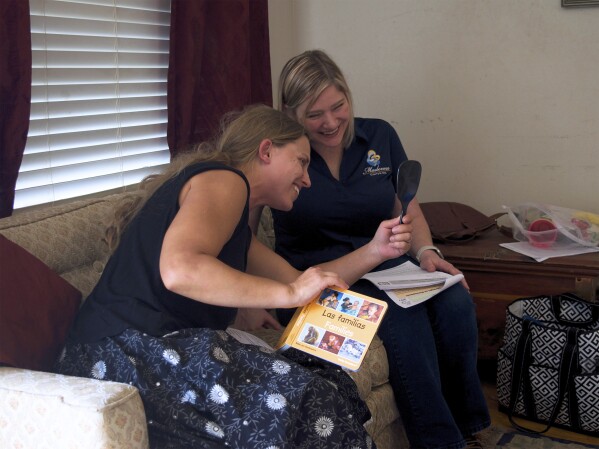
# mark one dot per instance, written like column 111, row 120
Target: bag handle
column 520, row 368
column 556, row 305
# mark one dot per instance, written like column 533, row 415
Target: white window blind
column 98, row 108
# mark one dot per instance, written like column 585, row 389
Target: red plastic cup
column 542, row 233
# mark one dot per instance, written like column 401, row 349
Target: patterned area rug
column 496, row 437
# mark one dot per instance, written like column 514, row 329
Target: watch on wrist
column 426, row 248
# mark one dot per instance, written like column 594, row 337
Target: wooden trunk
column 497, row 276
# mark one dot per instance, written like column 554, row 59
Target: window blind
column 98, row 108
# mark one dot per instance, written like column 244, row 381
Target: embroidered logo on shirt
column 373, row 159
column 374, row 162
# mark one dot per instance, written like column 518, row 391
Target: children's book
column 337, row 326
column 408, row 284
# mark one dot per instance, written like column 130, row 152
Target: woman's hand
column 430, row 261
column 393, row 239
column 310, row 283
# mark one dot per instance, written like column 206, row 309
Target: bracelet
column 427, row 247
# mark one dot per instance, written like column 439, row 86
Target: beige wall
column 499, row 99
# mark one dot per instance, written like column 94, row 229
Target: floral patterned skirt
column 201, row 388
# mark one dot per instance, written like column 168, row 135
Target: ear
column 265, row 151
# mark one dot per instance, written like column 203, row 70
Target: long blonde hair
column 304, row 77
column 236, row 145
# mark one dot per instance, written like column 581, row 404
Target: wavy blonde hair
column 304, row 77
column 236, row 145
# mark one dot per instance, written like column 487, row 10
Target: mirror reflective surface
column 408, row 180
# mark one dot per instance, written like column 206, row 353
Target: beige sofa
column 41, row 409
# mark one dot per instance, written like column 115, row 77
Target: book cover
column 337, row 326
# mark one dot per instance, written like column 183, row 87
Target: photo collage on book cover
column 335, row 343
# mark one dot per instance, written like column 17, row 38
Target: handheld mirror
column 408, row 180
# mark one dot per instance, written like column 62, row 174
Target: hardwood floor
column 501, row 419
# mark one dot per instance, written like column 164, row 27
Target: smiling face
column 290, row 170
column 327, row 119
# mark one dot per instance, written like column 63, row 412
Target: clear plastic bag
column 545, row 225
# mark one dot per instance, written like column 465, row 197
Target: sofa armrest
column 45, row 410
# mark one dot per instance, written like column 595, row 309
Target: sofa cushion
column 68, row 237
column 48, row 411
column 37, row 309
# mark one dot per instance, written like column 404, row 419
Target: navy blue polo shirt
column 334, row 217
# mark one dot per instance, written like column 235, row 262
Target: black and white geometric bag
column 548, row 366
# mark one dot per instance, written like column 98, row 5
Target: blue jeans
column 432, row 353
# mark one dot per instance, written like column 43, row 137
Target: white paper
column 405, row 283
column 403, row 299
column 406, row 275
column 541, row 254
column 248, row 339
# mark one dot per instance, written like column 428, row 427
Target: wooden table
column 497, row 276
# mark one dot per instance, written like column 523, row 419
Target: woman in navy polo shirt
column 432, row 347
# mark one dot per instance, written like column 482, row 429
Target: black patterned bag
column 548, row 366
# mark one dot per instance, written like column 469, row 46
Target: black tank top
column 130, row 292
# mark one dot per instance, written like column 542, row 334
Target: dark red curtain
column 219, row 61
column 15, row 95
